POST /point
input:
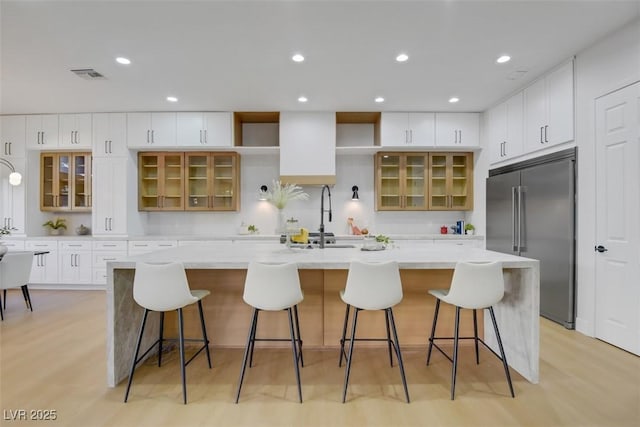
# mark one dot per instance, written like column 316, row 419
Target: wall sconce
column 355, row 196
column 14, row 177
column 263, row 192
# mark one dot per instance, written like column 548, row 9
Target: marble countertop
column 225, row 255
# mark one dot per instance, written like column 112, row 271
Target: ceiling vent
column 515, row 75
column 88, row 74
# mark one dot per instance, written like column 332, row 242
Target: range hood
column 308, row 148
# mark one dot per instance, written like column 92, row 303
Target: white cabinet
column 506, row 129
column 12, row 136
column 45, row 266
column 110, row 196
column 137, row 247
column 457, row 129
column 42, row 131
column 12, row 198
column 12, row 245
column 308, row 147
column 110, row 135
column 75, row 262
column 402, row 129
column 75, row 131
column 204, row 129
column 146, row 130
column 104, row 252
column 549, row 109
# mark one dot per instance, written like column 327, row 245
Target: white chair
column 161, row 288
column 474, row 286
column 15, row 269
column 372, row 287
column 273, row 287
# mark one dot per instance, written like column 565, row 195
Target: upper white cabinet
column 42, row 131
column 549, row 109
column 75, row 131
column 145, row 130
column 110, row 135
column 204, row 129
column 457, row 129
column 12, row 136
column 407, row 129
column 506, row 129
column 308, row 147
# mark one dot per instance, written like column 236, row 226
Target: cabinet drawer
column 111, row 245
column 100, row 260
column 13, row 245
column 74, row 245
column 41, row 245
column 138, row 247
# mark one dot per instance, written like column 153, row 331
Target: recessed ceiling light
column 402, row 57
column 453, row 100
column 172, row 99
column 503, row 59
column 122, row 60
column 297, row 58
column 379, row 99
column 302, row 99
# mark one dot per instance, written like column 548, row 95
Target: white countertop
column 225, row 255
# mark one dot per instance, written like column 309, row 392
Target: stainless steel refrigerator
column 531, row 213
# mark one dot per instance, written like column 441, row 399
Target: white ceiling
column 235, row 55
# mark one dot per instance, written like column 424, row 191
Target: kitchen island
column 221, row 268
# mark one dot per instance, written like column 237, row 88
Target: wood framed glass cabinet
column 160, row 181
column 401, row 181
column 212, row 181
column 65, row 181
column 450, row 181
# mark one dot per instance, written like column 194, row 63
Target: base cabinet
column 75, row 262
column 104, row 252
column 45, row 266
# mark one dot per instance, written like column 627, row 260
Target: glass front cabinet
column 401, row 181
column 160, row 181
column 212, row 181
column 451, row 181
column 65, row 181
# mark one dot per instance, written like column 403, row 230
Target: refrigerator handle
column 513, row 218
column 519, row 219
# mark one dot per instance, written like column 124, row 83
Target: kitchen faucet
column 322, row 211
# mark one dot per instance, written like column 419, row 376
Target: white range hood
column 308, row 148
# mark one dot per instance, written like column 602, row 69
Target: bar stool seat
column 473, row 286
column 372, row 286
column 161, row 288
column 273, row 287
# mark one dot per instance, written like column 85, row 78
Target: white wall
column 258, row 170
column 610, row 64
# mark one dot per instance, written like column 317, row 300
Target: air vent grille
column 88, row 74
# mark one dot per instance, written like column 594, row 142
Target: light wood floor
column 54, row 358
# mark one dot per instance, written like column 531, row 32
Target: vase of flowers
column 279, row 196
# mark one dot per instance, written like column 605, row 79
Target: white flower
column 279, row 195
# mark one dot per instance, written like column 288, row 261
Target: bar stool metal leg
column 344, row 334
column 182, row 364
column 246, row 351
column 299, row 338
column 455, row 353
column 433, row 330
column 160, row 338
column 475, row 334
column 350, row 357
column 295, row 353
column 386, row 318
column 205, row 338
column 253, row 338
column 504, row 358
column 398, row 353
column 135, row 355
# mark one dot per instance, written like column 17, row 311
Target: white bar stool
column 15, row 269
column 372, row 287
column 474, row 286
column 273, row 287
column 164, row 287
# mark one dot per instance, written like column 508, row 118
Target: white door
column 190, row 129
column 618, row 210
column 394, row 129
